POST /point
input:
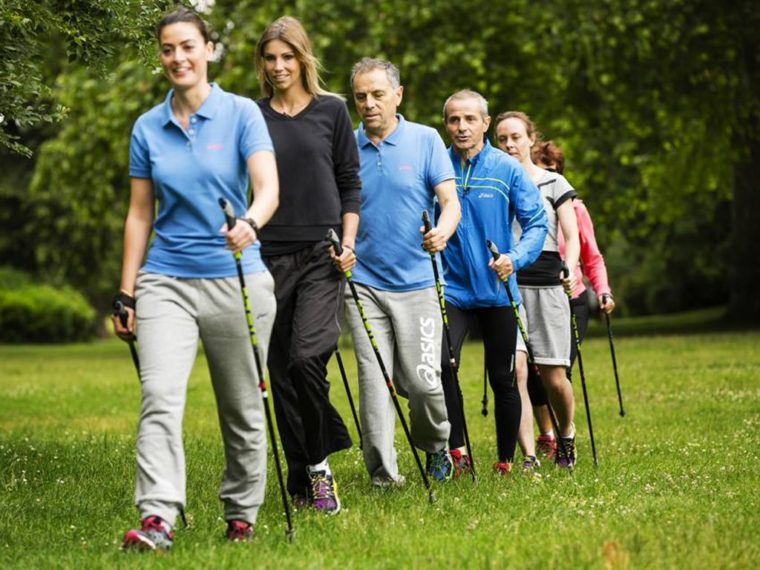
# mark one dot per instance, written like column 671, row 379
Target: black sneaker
column 566, row 454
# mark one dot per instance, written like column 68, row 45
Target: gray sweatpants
column 172, row 315
column 407, row 328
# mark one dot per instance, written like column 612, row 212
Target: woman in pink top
column 549, row 156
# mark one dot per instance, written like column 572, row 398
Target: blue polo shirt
column 190, row 170
column 398, row 180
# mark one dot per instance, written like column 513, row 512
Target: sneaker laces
column 239, row 530
column 437, row 460
column 156, row 523
column 321, row 487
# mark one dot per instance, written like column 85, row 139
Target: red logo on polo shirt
column 405, row 168
column 215, row 146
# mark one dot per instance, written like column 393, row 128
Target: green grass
column 677, row 485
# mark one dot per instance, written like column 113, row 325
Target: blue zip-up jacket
column 493, row 189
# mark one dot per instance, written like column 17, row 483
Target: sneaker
column 546, row 445
column 439, row 466
column 462, row 463
column 502, row 468
column 239, row 531
column 155, row 534
column 324, row 492
column 568, row 443
column 530, row 464
column 386, row 481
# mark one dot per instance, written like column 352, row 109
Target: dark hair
column 549, row 154
column 182, row 14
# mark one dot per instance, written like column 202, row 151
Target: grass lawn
column 677, row 485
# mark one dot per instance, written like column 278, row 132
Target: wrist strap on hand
column 125, row 300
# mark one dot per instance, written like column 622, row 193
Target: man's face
column 466, row 126
column 376, row 102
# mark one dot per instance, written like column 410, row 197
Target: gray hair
column 367, row 64
column 467, row 94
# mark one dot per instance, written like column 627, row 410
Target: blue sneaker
column 439, row 465
column 155, row 534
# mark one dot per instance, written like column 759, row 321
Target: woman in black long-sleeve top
column 318, row 165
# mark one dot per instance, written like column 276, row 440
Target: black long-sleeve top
column 318, row 167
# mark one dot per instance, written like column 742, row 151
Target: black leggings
column 581, row 311
column 499, row 329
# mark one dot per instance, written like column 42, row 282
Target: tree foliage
column 37, row 36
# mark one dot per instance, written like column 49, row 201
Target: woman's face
column 282, row 68
column 512, row 137
column 184, row 55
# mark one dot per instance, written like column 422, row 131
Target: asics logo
column 426, row 370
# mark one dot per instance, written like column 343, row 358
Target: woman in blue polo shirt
column 199, row 145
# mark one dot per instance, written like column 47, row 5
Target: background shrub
column 33, row 312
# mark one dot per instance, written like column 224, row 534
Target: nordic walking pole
column 484, row 401
column 121, row 311
column 555, row 423
column 577, row 340
column 614, row 360
column 231, row 220
column 452, row 359
column 333, row 238
column 350, row 397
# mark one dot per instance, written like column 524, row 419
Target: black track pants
column 499, row 330
column 309, row 293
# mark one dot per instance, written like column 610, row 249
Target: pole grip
column 426, row 221
column 333, row 238
column 229, row 214
column 493, row 249
column 121, row 312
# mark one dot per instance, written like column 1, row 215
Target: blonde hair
column 289, row 30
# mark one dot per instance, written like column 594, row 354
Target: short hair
column 530, row 127
column 367, row 64
column 182, row 15
column 467, row 94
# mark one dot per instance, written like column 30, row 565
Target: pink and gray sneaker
column 239, row 531
column 462, row 463
column 546, row 445
column 154, row 534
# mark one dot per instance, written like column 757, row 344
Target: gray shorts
column 545, row 314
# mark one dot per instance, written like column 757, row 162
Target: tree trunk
column 744, row 303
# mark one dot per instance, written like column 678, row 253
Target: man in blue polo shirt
column 404, row 168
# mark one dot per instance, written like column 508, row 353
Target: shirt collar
column 207, row 109
column 485, row 151
column 392, row 139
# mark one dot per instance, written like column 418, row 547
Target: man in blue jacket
column 493, row 191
